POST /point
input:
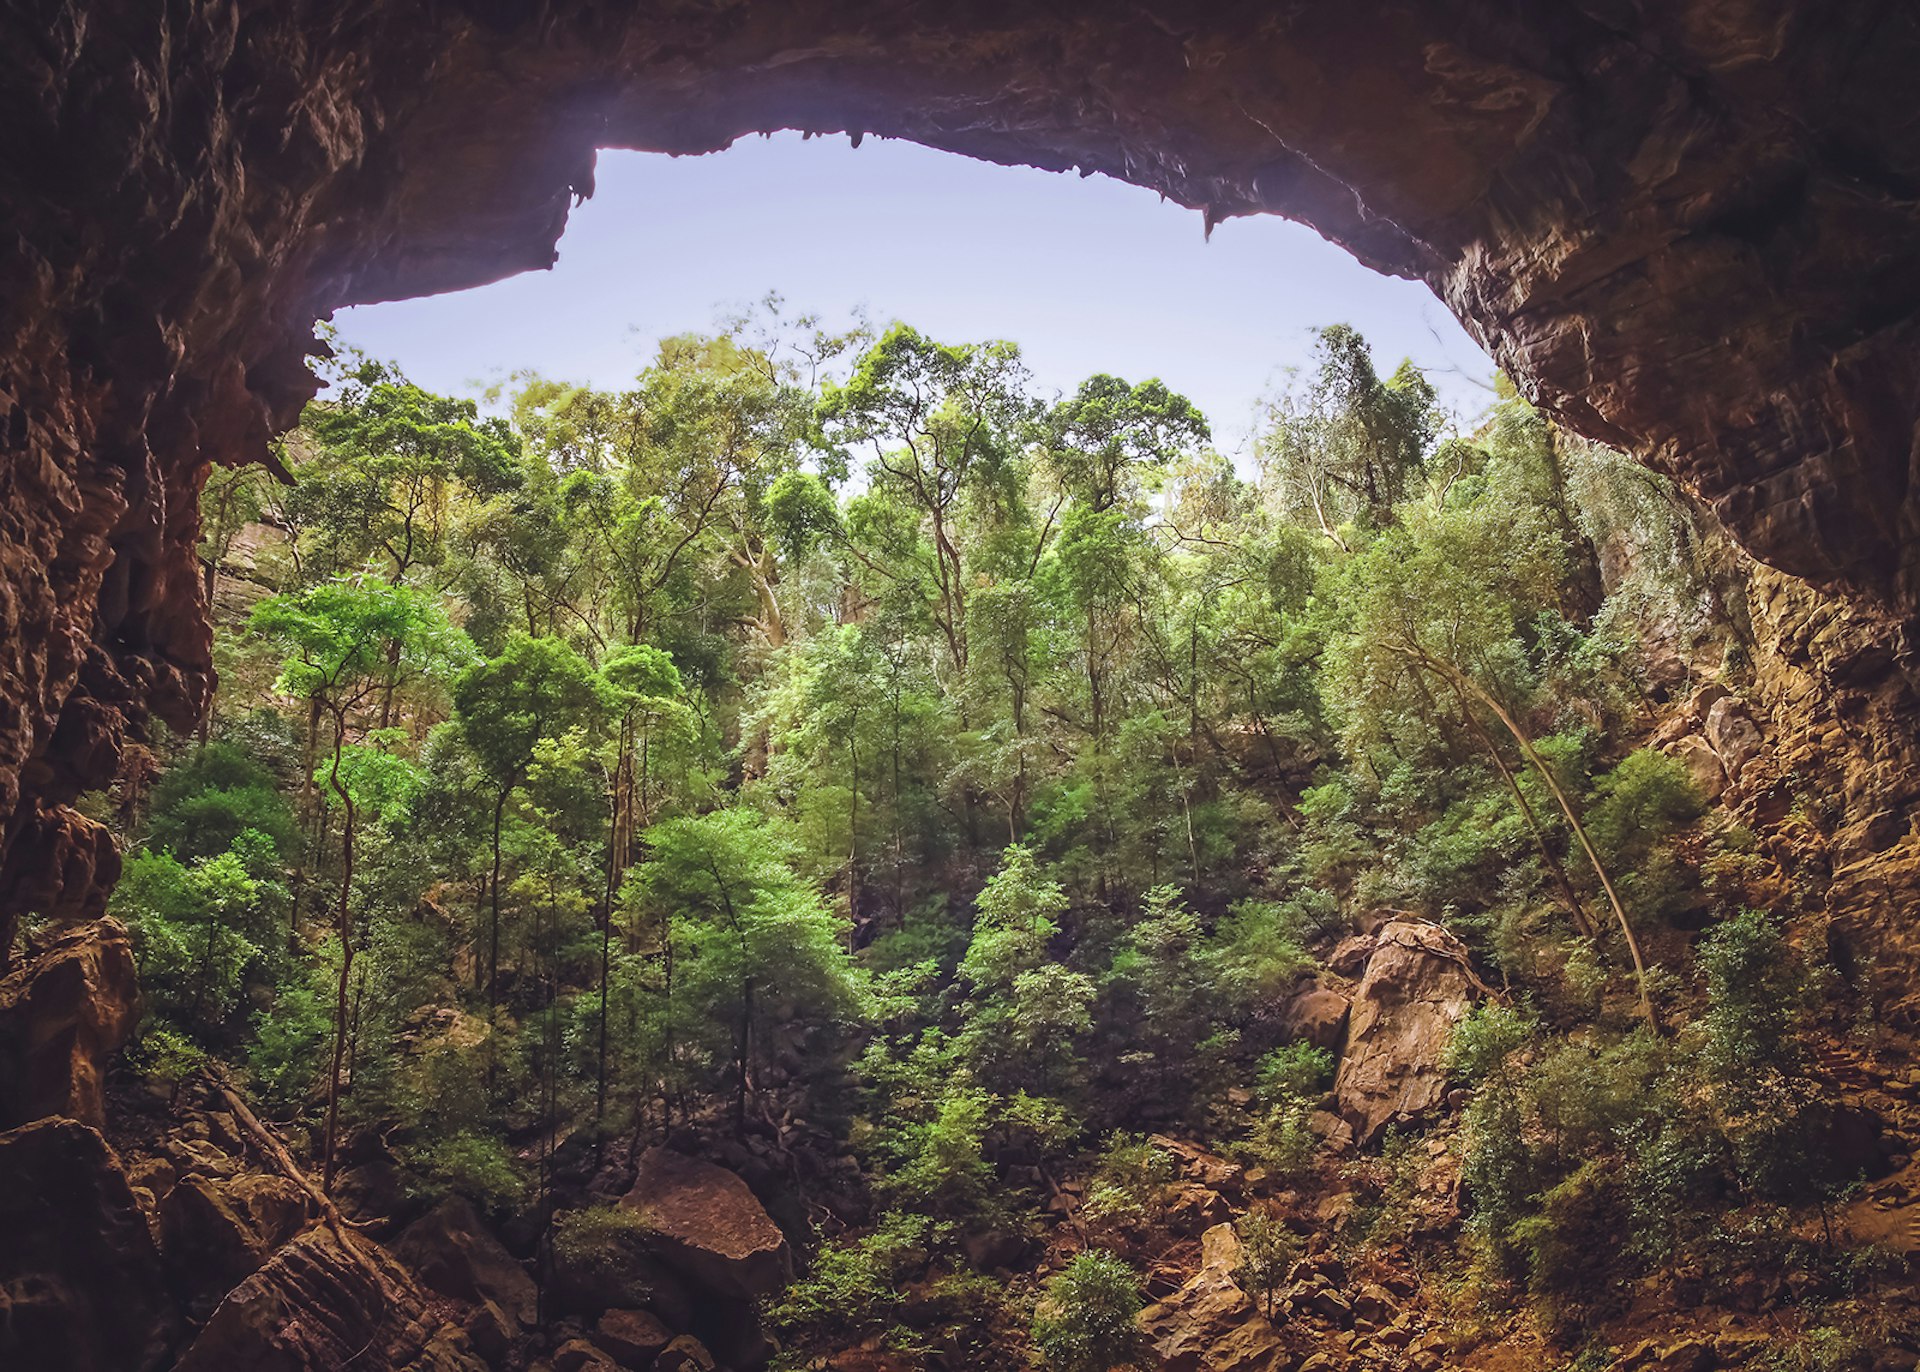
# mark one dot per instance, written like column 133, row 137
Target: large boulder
column 1210, row 1324
column 1316, row 1015
column 600, row 1263
column 217, row 1231
column 1734, row 735
column 81, row 1284
column 450, row 1250
column 62, row 1018
column 705, row 1222
column 330, row 1299
column 1418, row 983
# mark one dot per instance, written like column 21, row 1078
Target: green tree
column 747, row 937
column 343, row 641
column 506, row 707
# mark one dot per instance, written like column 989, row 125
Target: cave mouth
column 1691, row 237
column 1690, row 232
column 1086, row 275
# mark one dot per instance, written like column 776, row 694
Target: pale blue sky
column 1086, row 275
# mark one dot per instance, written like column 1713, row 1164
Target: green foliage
column 1484, row 1043
column 854, row 1286
column 204, row 802
column 1268, row 1251
column 1130, row 1182
column 1085, row 1321
column 473, row 1163
column 1294, row 1070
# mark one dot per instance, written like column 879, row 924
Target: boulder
column 330, row 1299
column 1210, row 1324
column 607, row 1267
column 1704, row 768
column 62, row 1018
column 81, row 1283
column 705, row 1222
column 451, row 1251
column 1316, row 1015
column 216, row 1231
column 1416, row 986
column 1734, row 736
column 1200, row 1166
column 577, row 1355
column 632, row 1338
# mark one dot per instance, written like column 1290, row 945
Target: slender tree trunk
column 493, row 941
column 344, row 926
column 1561, row 879
column 1539, row 764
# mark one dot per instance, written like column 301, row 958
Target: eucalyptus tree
column 1345, row 446
column 943, row 423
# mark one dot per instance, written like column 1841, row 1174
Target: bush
column 1638, row 805
column 1296, row 1070
column 478, row 1166
column 1282, row 1140
column 1129, row 1183
column 1483, row 1042
column 853, row 1287
column 1085, row 1322
column 1268, row 1251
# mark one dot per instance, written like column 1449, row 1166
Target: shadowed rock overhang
column 1690, row 228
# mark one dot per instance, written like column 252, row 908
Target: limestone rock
column 451, row 1251
column 81, row 1282
column 705, row 1222
column 1210, row 1324
column 1415, row 988
column 1317, row 1015
column 684, row 1354
column 215, row 1231
column 62, row 1018
column 1735, row 738
column 330, row 1299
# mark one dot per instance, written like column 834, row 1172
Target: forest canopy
column 833, row 736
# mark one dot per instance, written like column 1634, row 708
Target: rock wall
column 1687, row 228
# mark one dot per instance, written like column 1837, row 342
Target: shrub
column 1268, row 1251
column 1296, row 1070
column 853, row 1287
column 477, row 1165
column 1483, row 1042
column 1282, row 1140
column 1129, row 1182
column 1085, row 1322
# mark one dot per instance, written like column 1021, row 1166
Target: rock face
column 329, row 1299
column 62, row 1017
column 706, row 1223
column 81, row 1282
column 1686, row 228
column 1417, row 985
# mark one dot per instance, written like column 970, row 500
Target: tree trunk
column 343, row 924
column 1539, row 764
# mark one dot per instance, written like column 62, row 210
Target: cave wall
column 1686, row 227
